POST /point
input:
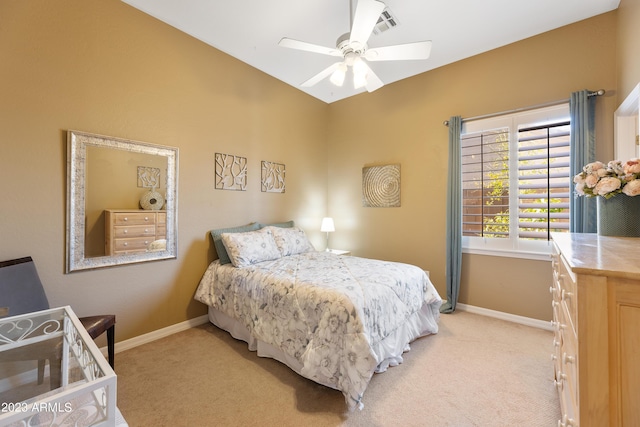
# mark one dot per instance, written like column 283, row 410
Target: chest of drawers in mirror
column 596, row 309
column 132, row 231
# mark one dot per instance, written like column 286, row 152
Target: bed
column 333, row 319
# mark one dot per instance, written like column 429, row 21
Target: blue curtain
column 583, row 151
column 454, row 217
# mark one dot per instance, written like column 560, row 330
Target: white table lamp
column 327, row 227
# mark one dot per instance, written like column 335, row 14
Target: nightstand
column 339, row 252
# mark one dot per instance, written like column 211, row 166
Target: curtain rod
column 532, row 107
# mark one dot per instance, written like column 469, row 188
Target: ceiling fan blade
column 417, row 50
column 321, row 75
column 366, row 17
column 373, row 81
column 309, row 47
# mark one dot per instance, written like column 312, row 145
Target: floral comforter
column 341, row 317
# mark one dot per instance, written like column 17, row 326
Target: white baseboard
column 528, row 321
column 31, row 375
column 156, row 335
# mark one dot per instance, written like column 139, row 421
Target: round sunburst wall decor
column 381, row 186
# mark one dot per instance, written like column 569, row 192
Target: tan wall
column 402, row 123
column 628, row 52
column 104, row 67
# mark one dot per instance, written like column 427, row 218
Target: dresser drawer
column 554, row 289
column 134, row 231
column 132, row 245
column 134, row 218
column 556, row 354
column 567, row 288
column 569, row 362
column 569, row 367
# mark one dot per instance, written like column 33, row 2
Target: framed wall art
column 231, row 172
column 272, row 177
column 148, row 177
column 381, row 186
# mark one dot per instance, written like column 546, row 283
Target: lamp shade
column 359, row 73
column 337, row 78
column 327, row 225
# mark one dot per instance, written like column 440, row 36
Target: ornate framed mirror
column 626, row 127
column 121, row 201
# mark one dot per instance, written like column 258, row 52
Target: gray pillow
column 217, row 239
column 286, row 224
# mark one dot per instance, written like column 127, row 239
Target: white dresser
column 131, row 231
column 596, row 310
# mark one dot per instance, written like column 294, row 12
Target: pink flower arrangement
column 598, row 179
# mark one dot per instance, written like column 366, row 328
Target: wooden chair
column 21, row 291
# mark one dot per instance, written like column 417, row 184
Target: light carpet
column 477, row 371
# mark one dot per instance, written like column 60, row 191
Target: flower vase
column 619, row 216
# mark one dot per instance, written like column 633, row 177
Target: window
column 515, row 182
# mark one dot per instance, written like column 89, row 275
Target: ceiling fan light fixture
column 359, row 73
column 359, row 81
column 353, row 48
column 359, row 67
column 337, row 77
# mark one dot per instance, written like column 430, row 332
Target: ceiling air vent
column 386, row 22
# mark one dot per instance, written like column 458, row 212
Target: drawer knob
column 558, row 325
column 560, row 381
column 556, row 343
column 566, row 294
column 567, row 422
column 146, row 218
column 568, row 359
column 554, row 357
column 126, row 244
column 126, row 218
column 126, row 231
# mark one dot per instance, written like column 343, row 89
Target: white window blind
column 485, row 184
column 543, row 180
column 515, row 182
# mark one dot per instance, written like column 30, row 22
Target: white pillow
column 251, row 247
column 291, row 241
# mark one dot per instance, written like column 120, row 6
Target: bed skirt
column 389, row 351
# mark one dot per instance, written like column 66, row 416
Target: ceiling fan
column 352, row 47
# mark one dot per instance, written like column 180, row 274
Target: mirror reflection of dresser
column 108, row 173
column 133, row 230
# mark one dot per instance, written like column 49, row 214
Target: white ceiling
column 250, row 30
